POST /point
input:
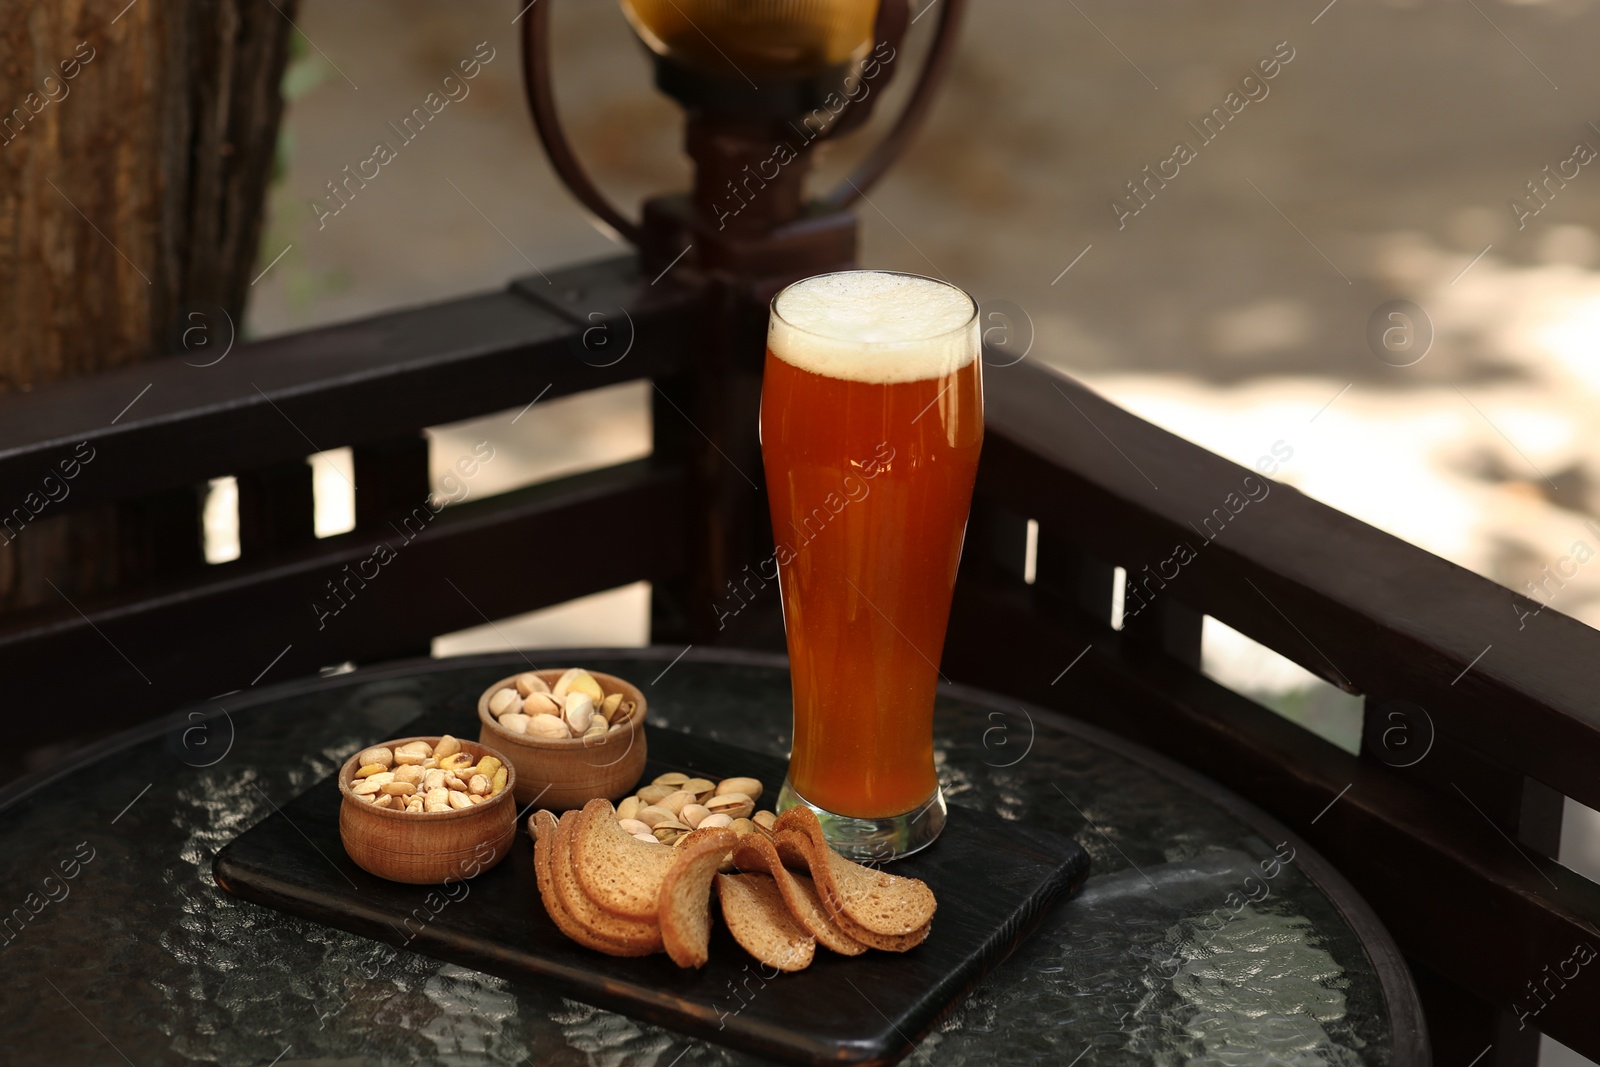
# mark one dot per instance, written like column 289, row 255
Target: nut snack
column 426, row 810
column 608, row 883
column 674, row 804
column 570, row 734
column 575, row 706
column 421, row 778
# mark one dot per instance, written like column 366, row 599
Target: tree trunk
column 136, row 144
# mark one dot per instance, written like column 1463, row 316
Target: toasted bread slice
column 882, row 910
column 757, row 854
column 797, row 852
column 544, row 827
column 794, row 849
column 617, row 872
column 832, row 905
column 758, row 918
column 639, row 938
column 684, row 906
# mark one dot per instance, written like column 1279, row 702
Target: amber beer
column 871, row 423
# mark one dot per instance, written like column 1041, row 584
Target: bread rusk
column 760, row 920
column 617, row 872
column 758, row 855
column 884, row 911
column 794, row 846
column 637, row 937
column 684, row 904
column 543, row 825
column 608, row 891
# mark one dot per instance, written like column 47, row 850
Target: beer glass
column 871, row 423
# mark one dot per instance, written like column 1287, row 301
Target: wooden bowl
column 427, row 848
column 563, row 773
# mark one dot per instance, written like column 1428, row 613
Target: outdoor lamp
column 761, row 83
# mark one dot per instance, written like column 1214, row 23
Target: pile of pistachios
column 674, row 804
column 575, row 706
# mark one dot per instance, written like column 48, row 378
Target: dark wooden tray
column 993, row 879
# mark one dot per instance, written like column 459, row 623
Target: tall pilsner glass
column 871, row 423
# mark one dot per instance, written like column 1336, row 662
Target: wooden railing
column 297, row 603
column 1453, row 849
column 1448, row 821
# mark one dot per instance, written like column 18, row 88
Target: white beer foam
column 874, row 326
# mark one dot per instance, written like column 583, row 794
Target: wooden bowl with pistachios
column 572, row 734
column 426, row 810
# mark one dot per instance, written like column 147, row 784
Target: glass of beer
column 871, row 423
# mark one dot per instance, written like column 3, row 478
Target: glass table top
column 1205, row 934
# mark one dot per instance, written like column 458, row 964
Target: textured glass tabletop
column 1205, row 934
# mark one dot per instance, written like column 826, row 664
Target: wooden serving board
column 993, row 879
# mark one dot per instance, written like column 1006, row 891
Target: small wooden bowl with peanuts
column 426, row 810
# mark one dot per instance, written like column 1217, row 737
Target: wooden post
column 135, row 149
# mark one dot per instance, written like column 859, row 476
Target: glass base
column 875, row 840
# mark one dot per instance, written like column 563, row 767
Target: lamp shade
column 752, row 39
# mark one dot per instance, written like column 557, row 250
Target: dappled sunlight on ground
column 1499, row 475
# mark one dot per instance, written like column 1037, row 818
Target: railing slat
column 169, row 423
column 358, row 596
column 1341, row 598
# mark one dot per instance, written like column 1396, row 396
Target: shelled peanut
column 672, row 805
column 419, row 778
column 575, row 706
